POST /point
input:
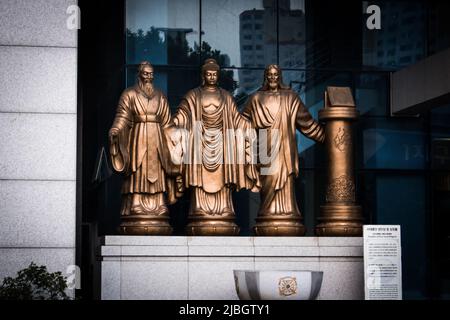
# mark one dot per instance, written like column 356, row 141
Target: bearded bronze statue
column 277, row 111
column 138, row 150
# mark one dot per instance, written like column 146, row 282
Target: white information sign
column 382, row 262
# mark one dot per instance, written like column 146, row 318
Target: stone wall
column 38, row 128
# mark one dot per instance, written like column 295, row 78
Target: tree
column 34, row 283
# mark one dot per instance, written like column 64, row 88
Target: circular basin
column 277, row 285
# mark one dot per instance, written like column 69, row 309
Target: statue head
column 273, row 78
column 210, row 73
column 145, row 73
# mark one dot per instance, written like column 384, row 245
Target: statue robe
column 141, row 151
column 211, row 188
column 289, row 114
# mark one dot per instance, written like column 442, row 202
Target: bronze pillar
column 340, row 216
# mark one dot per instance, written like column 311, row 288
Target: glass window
column 248, row 82
column 226, row 24
column 163, row 32
column 403, row 26
column 396, row 143
column 401, row 200
column 315, row 83
column 406, row 47
column 404, row 60
column 438, row 27
column 292, row 34
column 440, row 121
column 440, row 135
column 372, row 94
column 310, row 190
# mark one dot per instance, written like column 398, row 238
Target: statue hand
column 176, row 137
column 113, row 135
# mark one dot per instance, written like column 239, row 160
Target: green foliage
column 34, row 283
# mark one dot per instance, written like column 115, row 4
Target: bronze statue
column 138, row 150
column 278, row 109
column 216, row 157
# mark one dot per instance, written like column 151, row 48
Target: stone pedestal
column 201, row 268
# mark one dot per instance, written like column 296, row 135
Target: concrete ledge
column 160, row 268
column 143, row 241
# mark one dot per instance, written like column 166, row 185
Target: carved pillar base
column 275, row 227
column 145, row 225
column 205, row 226
column 340, row 221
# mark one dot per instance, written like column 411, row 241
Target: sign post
column 382, row 262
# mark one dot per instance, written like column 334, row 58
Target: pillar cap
column 339, row 97
column 339, row 105
column 338, row 113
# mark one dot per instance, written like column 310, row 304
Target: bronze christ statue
column 277, row 111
